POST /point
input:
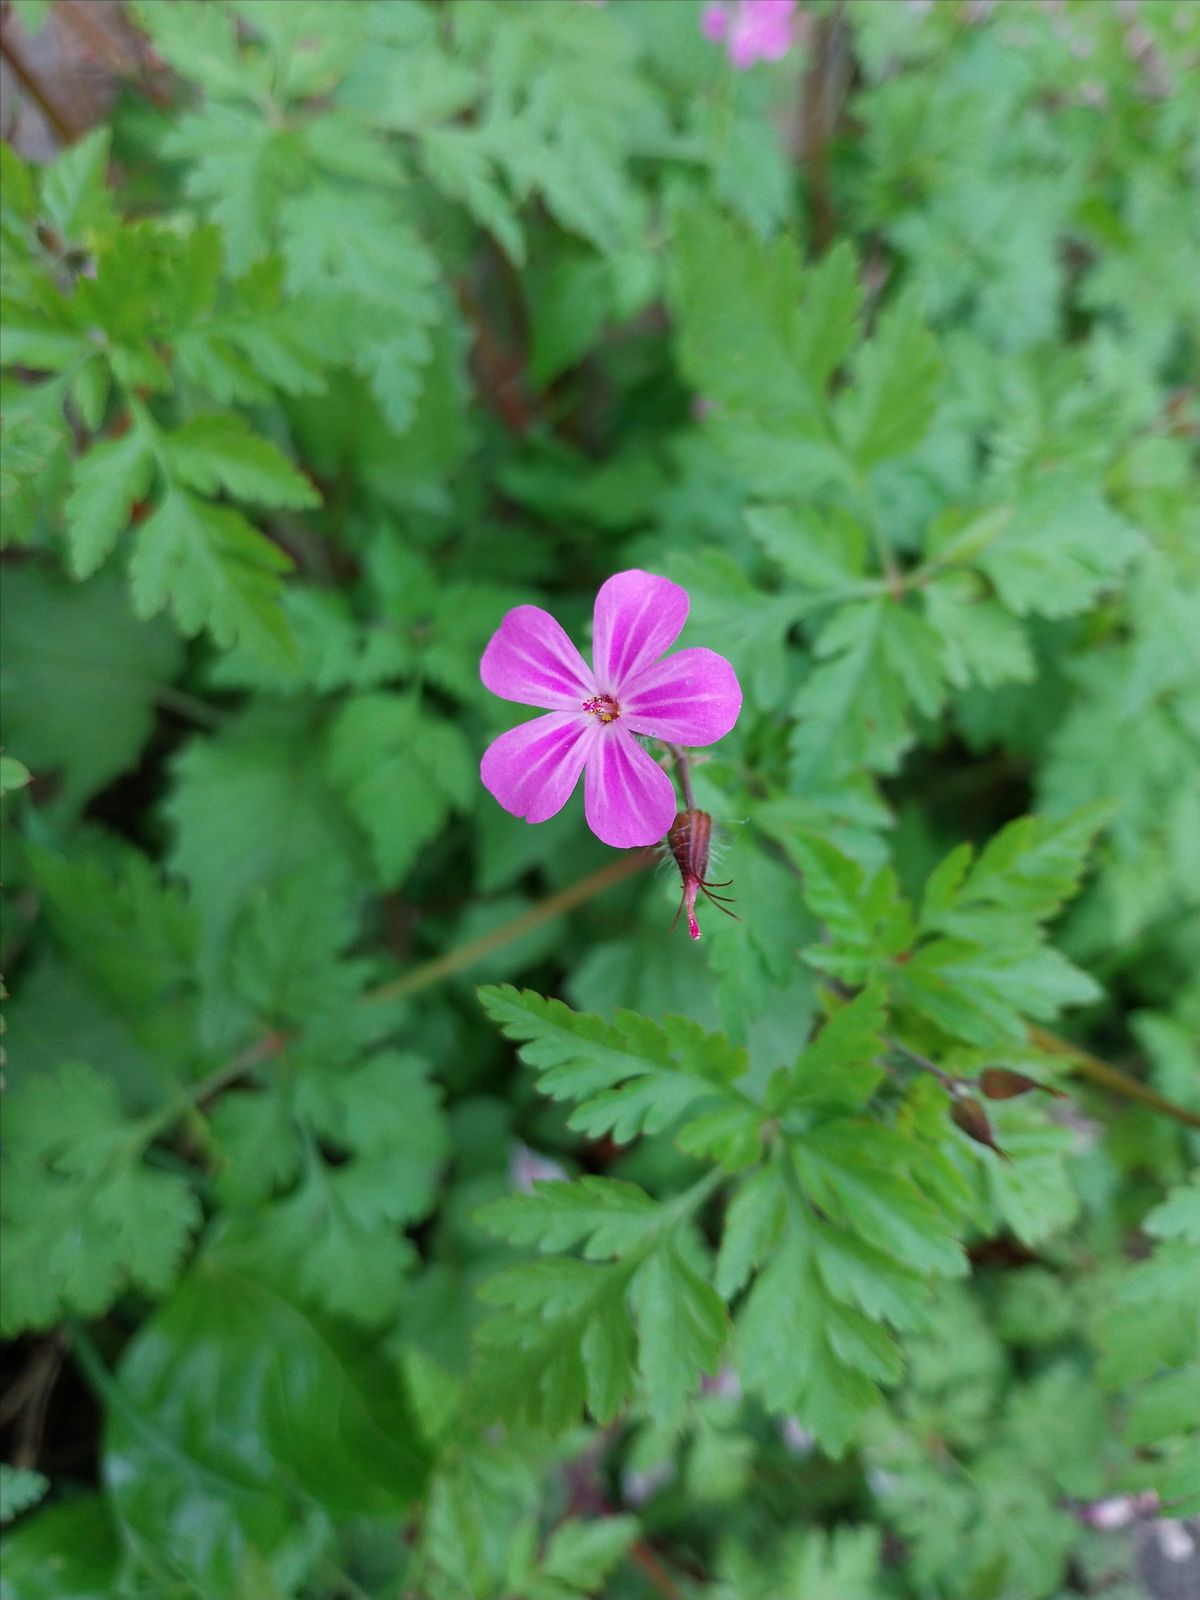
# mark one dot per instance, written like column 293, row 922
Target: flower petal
column 692, row 698
column 628, row 798
column 530, row 659
column 761, row 31
column 637, row 618
column 533, row 769
column 714, row 22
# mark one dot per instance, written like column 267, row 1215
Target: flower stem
column 683, row 769
column 423, row 977
column 1108, row 1077
column 432, row 972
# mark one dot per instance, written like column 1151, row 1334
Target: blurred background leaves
column 332, row 329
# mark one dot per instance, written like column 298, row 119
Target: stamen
column 602, row 706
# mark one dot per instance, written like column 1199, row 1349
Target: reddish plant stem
column 1084, row 1063
column 654, row 1572
column 499, row 370
column 1109, row 1077
column 62, row 123
column 630, row 862
column 683, row 769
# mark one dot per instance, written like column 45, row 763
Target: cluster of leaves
column 355, row 325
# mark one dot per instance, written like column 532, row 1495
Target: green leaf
column 606, row 1217
column 876, row 662
column 783, row 1348
column 285, row 955
column 737, row 299
column 983, row 992
column 840, row 1068
column 864, row 913
column 1146, row 1335
column 14, row 775
column 986, row 967
column 74, row 196
column 1170, row 1404
column 841, row 1563
column 128, row 932
column 1179, row 1215
column 214, row 571
column 258, row 1151
column 632, row 1075
column 91, row 391
column 389, row 1108
column 249, row 809
column 36, row 461
column 897, row 376
column 109, row 481
column 261, row 339
column 982, row 642
column 840, row 1255
column 333, row 1240
column 369, row 272
column 738, row 620
column 332, row 1243
column 212, row 1452
column 753, row 1222
column 682, row 1330
column 862, row 1178
column 401, row 773
column 1032, row 1190
column 20, row 1489
column 460, row 162
column 1028, row 870
column 47, row 342
column 70, row 1551
column 85, row 1219
column 568, row 307
column 81, row 677
column 1060, row 549
column 217, row 452
column 1150, row 1322
column 828, row 321
column 816, row 548
column 582, row 1554
column 562, row 1338
column 241, row 168
column 202, row 47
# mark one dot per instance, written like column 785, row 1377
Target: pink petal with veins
column 532, row 770
column 530, row 659
column 691, row 698
column 628, row 798
column 637, row 617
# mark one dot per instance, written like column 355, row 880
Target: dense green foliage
column 379, row 319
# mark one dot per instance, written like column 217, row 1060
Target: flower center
column 602, row 706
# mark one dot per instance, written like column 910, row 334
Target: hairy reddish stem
column 467, row 955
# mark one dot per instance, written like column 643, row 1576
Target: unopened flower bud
column 970, row 1116
column 689, row 839
column 1002, row 1083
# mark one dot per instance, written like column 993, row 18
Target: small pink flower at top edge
column 714, row 23
column 752, row 30
column 593, row 713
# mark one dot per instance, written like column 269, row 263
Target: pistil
column 602, row 706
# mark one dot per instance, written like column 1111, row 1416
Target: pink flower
column 691, row 698
column 756, row 30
